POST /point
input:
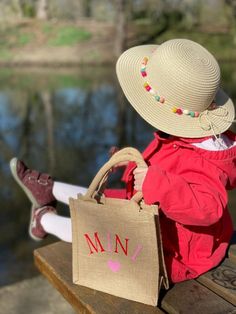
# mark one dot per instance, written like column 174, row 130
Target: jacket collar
column 160, row 136
column 186, row 142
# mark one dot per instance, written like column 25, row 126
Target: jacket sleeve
column 192, row 197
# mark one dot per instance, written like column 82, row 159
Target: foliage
column 25, row 38
column 5, row 55
column 47, row 28
column 13, row 37
column 28, row 9
column 220, row 45
column 68, row 36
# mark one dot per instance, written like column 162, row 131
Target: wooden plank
column 54, row 262
column 232, row 249
column 222, row 280
column 191, row 297
column 232, row 253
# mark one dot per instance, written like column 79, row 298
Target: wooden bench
column 212, row 293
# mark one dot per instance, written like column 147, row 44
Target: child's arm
column 193, row 197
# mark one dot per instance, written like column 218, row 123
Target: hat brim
column 160, row 116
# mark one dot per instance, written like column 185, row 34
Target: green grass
column 24, row 39
column 47, row 28
column 53, row 34
column 14, row 37
column 69, row 36
column 5, row 54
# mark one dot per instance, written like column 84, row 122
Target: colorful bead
column 145, row 60
column 179, row 111
column 162, row 99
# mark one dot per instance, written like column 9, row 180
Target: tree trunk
column 120, row 27
column 17, row 8
column 119, row 47
column 42, row 9
column 87, row 4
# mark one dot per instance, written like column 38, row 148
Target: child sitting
column 176, row 88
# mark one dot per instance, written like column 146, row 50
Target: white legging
column 56, row 225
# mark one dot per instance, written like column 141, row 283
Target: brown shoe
column 36, row 230
column 37, row 186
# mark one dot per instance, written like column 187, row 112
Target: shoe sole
column 30, row 225
column 13, row 166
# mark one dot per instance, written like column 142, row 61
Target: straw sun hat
column 175, row 88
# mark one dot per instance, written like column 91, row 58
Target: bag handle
column 125, row 154
column 127, row 150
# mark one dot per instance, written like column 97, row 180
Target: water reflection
column 62, row 121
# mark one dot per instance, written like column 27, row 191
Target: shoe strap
column 41, row 178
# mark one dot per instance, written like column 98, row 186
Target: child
column 191, row 163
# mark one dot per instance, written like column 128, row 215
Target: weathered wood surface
column 232, row 249
column 54, row 262
column 232, row 253
column 209, row 294
column 190, row 297
column 222, row 280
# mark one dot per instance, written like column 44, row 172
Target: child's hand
column 139, row 176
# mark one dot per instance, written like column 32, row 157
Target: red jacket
column 189, row 184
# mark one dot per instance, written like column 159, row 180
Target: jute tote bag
column 116, row 243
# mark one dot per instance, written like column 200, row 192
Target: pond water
column 61, row 121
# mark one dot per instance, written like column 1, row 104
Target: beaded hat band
column 162, row 99
column 175, row 88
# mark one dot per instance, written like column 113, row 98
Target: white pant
column 56, row 225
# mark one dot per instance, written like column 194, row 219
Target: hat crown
column 185, row 73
